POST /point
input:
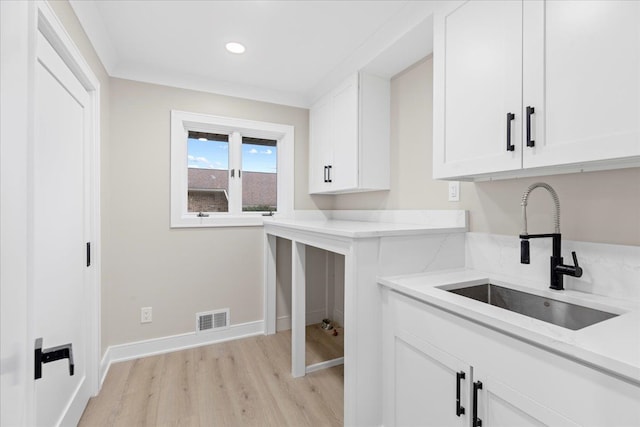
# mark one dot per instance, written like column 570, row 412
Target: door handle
column 325, row 174
column 51, row 355
column 329, row 173
column 530, row 142
column 459, row 408
column 510, row 117
column 477, row 422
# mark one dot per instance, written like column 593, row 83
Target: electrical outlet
column 454, row 191
column 145, row 315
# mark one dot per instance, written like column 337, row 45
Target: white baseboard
column 138, row 349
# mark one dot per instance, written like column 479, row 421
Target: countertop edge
column 383, row 230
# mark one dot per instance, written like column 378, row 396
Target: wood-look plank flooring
column 245, row 382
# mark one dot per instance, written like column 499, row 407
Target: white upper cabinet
column 477, row 82
column 582, row 76
column 349, row 137
column 535, row 87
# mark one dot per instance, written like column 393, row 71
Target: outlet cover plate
column 146, row 315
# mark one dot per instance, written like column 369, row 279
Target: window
column 207, row 172
column 229, row 172
column 260, row 175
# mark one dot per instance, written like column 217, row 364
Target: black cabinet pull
column 510, row 146
column 329, row 174
column 325, row 174
column 530, row 142
column 477, row 422
column 459, row 409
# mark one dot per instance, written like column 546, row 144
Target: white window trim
column 182, row 122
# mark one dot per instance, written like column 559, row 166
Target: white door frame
column 51, row 27
column 18, row 142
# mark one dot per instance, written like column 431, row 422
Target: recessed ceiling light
column 235, row 47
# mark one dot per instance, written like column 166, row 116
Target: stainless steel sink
column 549, row 310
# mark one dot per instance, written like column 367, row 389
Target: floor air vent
column 212, row 320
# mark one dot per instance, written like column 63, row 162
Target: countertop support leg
column 270, row 242
column 298, row 306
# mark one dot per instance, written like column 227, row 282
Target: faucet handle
column 524, row 251
column 578, row 270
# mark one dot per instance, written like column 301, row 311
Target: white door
column 60, row 230
column 582, row 76
column 478, row 60
column 427, row 381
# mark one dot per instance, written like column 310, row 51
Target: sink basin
column 549, row 310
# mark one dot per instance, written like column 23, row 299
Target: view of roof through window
column 208, row 169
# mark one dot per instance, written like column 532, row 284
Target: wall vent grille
column 212, row 320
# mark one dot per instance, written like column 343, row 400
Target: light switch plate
column 454, row 191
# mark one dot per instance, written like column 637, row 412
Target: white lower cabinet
column 500, row 405
column 418, row 367
column 442, row 370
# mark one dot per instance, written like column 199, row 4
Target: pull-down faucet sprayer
column 557, row 269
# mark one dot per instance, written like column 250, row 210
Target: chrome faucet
column 557, row 268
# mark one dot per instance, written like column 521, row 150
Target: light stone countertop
column 360, row 229
column 612, row 346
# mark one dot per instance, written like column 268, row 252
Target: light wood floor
column 245, row 382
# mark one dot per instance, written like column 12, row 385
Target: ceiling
column 296, row 50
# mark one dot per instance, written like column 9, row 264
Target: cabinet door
column 502, row 406
column 344, row 168
column 320, row 145
column 582, row 76
column 425, row 384
column 477, row 82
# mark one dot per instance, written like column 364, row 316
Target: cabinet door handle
column 459, row 408
column 325, row 174
column 477, row 422
column 530, row 142
column 510, row 117
column 329, row 174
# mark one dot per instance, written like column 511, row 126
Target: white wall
column 178, row 272
column 601, row 207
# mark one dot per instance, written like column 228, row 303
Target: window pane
column 208, row 169
column 259, row 174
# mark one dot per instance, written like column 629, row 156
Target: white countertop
column 360, row 229
column 612, row 345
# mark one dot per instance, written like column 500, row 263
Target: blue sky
column 215, row 155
